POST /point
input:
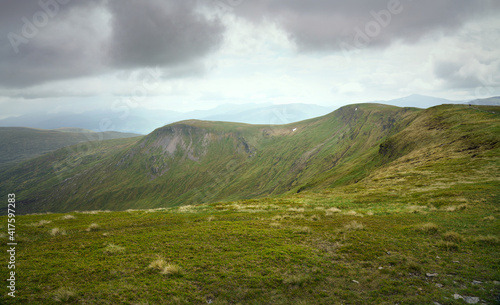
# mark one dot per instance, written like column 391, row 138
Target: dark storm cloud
column 335, row 24
column 63, row 39
column 147, row 33
column 34, row 50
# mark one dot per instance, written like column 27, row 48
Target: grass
column 93, row 227
column 429, row 228
column 64, row 295
column 165, row 268
column 57, row 231
column 231, row 255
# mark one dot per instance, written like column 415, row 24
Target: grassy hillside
column 198, row 161
column 371, row 205
column 19, row 143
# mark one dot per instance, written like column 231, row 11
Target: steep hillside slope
column 198, row 161
column 19, row 143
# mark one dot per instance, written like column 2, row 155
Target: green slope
column 199, row 161
column 19, row 143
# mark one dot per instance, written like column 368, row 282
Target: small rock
column 439, row 285
column 471, row 300
column 474, row 282
column 456, row 296
column 437, row 257
column 496, row 282
column 388, row 252
column 355, row 281
column 431, row 274
column 436, row 303
column 456, row 262
column 380, row 268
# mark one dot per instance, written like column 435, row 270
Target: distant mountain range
column 143, row 121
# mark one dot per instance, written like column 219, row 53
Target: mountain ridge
column 193, row 161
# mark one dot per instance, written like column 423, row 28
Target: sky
column 183, row 55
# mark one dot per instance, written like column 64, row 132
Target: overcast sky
column 62, row 55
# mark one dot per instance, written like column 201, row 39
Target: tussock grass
column 94, row 212
column 428, row 228
column 171, row 269
column 296, row 279
column 41, row 223
column 332, row 211
column 158, row 264
column 453, row 237
column 165, row 268
column 93, row 227
column 447, row 245
column 112, row 249
column 315, row 217
column 489, row 218
column 302, row 230
column 65, row 217
column 57, row 231
column 352, row 213
column 64, row 295
column 487, row 240
column 354, row 226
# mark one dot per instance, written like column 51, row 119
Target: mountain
column 203, row 161
column 21, row 143
column 143, row 121
column 492, row 101
column 140, row 121
column 275, row 114
column 417, row 100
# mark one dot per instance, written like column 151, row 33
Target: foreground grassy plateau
column 312, row 248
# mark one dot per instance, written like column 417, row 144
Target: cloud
column 472, row 60
column 333, row 24
column 155, row 32
column 60, row 40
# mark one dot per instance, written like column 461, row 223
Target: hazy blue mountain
column 143, row 121
column 419, row 101
column 491, row 101
column 275, row 114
